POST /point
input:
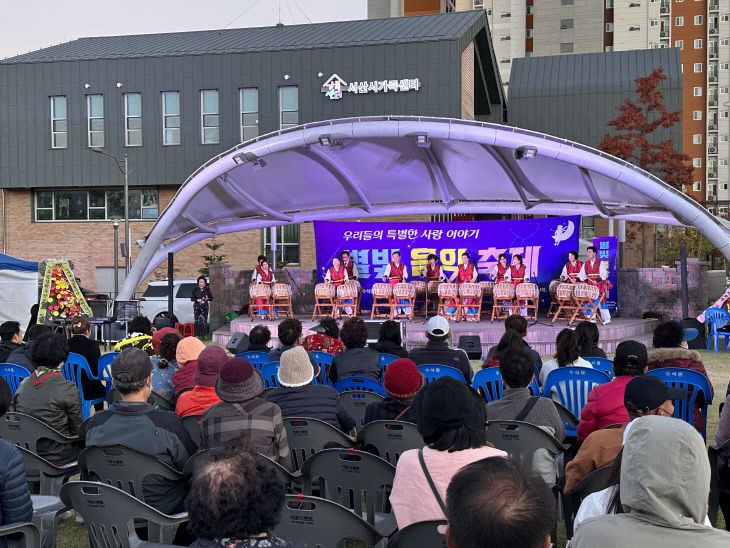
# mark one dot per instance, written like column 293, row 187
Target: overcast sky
column 35, row 24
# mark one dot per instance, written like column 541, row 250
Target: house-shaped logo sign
column 333, row 87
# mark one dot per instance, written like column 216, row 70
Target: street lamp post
column 115, row 224
column 127, row 234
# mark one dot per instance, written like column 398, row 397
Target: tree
column 634, row 140
column 213, row 246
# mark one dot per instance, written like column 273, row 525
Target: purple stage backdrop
column 608, row 251
column 543, row 243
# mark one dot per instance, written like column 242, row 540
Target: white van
column 153, row 302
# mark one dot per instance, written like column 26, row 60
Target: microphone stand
column 299, row 291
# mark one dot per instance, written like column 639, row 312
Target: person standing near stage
column 572, row 268
column 350, row 266
column 595, row 272
column 432, row 271
column 201, row 297
column 255, row 268
column 395, row 271
column 336, row 274
column 501, row 271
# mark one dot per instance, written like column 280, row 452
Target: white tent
column 19, row 289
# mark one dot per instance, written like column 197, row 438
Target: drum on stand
column 564, row 298
column 470, row 301
column 503, row 294
column 382, row 299
column 552, row 291
column 347, row 300
column 448, row 300
column 259, row 292
column 324, row 300
column 528, row 295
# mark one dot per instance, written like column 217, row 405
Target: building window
column 723, row 66
column 170, row 117
column 697, row 91
column 249, row 99
column 679, row 21
column 679, row 44
column 478, row 4
column 653, row 22
column 59, row 122
column 723, row 138
column 566, row 47
column 530, row 10
column 209, row 117
column 698, row 43
column 608, row 48
column 723, row 161
column 566, row 23
column 529, row 33
column 609, row 27
column 723, row 114
column 95, row 204
column 723, row 90
column 95, row 120
column 697, row 115
column 697, row 162
column 609, row 4
column 698, row 19
column 287, row 244
column 133, row 119
column 566, row 2
column 698, row 67
column 587, row 228
column 697, row 186
column 288, row 106
column 724, row 42
column 697, row 138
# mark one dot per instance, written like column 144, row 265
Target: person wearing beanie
column 134, row 423
column 186, row 356
column 200, row 398
column 298, row 397
column 401, row 381
column 81, row 343
column 242, row 413
column 451, row 418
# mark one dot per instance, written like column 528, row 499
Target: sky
column 34, row 24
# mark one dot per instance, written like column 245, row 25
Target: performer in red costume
column 336, row 274
column 395, row 273
column 432, row 271
column 258, row 263
column 595, row 272
column 572, row 268
column 466, row 273
column 263, row 275
column 501, row 272
column 518, row 275
column 350, row 266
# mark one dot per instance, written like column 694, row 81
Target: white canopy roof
column 395, row 165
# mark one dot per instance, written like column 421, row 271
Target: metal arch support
column 201, row 226
column 591, row 188
column 513, row 176
column 343, row 176
column 233, row 189
column 438, row 174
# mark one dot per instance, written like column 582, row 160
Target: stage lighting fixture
column 525, row 152
column 325, row 140
column 422, row 140
column 258, row 164
column 240, row 159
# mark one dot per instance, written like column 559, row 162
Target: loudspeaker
column 472, row 344
column 237, row 343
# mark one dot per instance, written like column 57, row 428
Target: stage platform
column 540, row 335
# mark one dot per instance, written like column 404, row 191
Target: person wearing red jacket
column 202, row 396
column 605, row 403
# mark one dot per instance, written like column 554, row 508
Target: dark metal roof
column 331, row 35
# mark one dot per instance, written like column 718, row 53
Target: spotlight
column 119, row 84
column 240, row 159
column 87, row 86
column 140, row 243
column 325, row 140
column 286, row 77
column 525, row 152
column 320, row 74
column 258, row 164
column 422, row 140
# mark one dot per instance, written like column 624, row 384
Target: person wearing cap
column 134, row 423
column 242, row 413
column 663, row 490
column 438, row 351
column 186, row 356
column 670, row 350
column 451, row 418
column 200, row 398
column 357, row 360
column 402, row 380
column 296, row 396
column 81, row 343
column 643, row 395
column 325, row 337
column 605, row 403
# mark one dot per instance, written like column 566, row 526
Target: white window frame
column 697, row 115
column 206, row 125
column 147, row 211
column 698, row 20
column 679, row 21
column 697, row 91
column 168, row 118
column 697, row 139
column 243, row 113
column 696, row 162
column 283, row 125
column 679, row 44
column 697, row 186
column 609, row 27
column 128, row 118
column 55, row 120
column 91, row 133
column 698, row 43
column 698, row 67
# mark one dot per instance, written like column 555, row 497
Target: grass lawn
column 72, row 535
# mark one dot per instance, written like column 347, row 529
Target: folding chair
column 72, row 369
column 421, row 533
column 488, row 382
column 390, row 438
column 356, row 402
column 431, row 372
column 694, row 383
column 350, row 477
column 257, row 359
column 191, row 424
column 307, row 436
column 361, row 384
column 158, row 402
column 717, row 317
column 269, row 373
column 109, row 514
column 25, row 431
column 105, row 369
column 386, row 360
column 570, row 387
column 324, row 361
column 601, row 364
column 13, row 375
column 31, row 535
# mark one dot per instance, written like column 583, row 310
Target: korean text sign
column 608, row 251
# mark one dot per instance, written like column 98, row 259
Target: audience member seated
column 518, row 323
column 165, row 366
column 157, row 337
column 48, row 397
column 438, row 350
column 402, row 381
column 509, row 342
column 139, row 335
column 235, row 501
column 450, row 417
column 325, row 338
column 356, row 360
column 24, row 355
column 243, row 413
column 588, row 340
column 11, row 338
column 290, row 335
column 517, row 403
column 723, row 466
column 665, row 483
column 298, row 397
column 81, row 344
column 389, row 340
column 493, row 502
column 134, row 423
column 258, row 339
column 200, row 398
column 566, row 354
column 186, row 355
column 605, row 403
column 670, row 350
column 644, row 395
column 15, row 503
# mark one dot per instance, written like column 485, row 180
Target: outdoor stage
column 540, row 336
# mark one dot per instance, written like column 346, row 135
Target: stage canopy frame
column 398, row 165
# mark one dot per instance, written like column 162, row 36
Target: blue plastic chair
column 71, row 370
column 324, row 361
column 105, row 369
column 431, row 372
column 693, row 382
column 386, row 360
column 717, row 317
column 362, row 384
column 572, row 386
column 601, row 364
column 488, row 382
column 268, row 372
column 13, row 375
column 257, row 359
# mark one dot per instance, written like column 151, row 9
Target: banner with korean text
column 608, row 251
column 543, row 243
